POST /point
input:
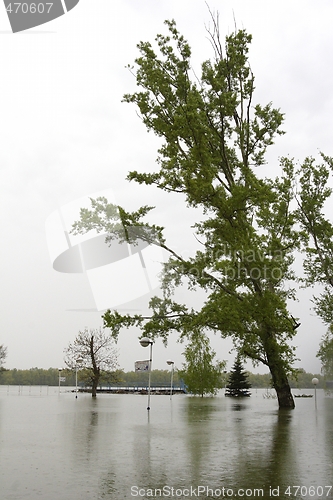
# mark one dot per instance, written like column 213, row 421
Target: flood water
column 56, row 447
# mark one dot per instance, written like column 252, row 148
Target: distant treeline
column 39, row 376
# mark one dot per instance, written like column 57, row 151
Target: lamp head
column 315, row 381
column 170, row 362
column 145, row 341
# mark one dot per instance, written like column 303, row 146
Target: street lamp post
column 59, row 371
column 145, row 342
column 225, row 379
column 172, row 363
column 76, row 369
column 315, row 382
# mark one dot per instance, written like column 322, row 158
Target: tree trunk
column 279, row 376
column 282, row 387
column 96, row 369
column 285, row 397
column 94, row 388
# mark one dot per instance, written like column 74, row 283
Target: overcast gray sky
column 66, row 135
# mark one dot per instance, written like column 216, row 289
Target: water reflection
column 232, row 443
column 59, row 447
column 83, row 430
column 266, row 458
column 199, row 433
column 147, row 452
column 238, row 407
column 328, row 435
column 86, row 429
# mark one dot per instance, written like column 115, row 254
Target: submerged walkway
column 136, row 390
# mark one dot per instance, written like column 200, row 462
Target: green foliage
column 36, row 376
column 39, row 376
column 238, row 383
column 325, row 353
column 159, row 378
column 317, row 236
column 199, row 373
column 303, row 380
column 214, row 138
column 260, row 381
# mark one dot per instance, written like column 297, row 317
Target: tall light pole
column 172, row 363
column 145, row 342
column 315, row 382
column 78, row 361
column 59, row 373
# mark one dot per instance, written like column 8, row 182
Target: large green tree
column 214, row 139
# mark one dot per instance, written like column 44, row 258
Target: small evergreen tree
column 238, row 383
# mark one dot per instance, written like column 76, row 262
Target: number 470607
column 26, row 8
column 311, row 491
